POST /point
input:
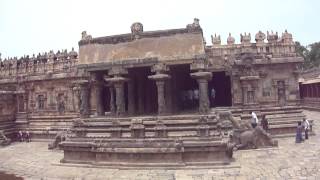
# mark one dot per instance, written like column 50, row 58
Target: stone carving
column 245, row 39
column 203, row 127
column 160, row 130
column 253, row 138
column 116, row 129
column 136, row 28
column 79, row 127
column 120, row 102
column 195, row 26
column 159, row 68
column 202, row 79
column 137, row 128
column 260, row 37
column 216, row 40
column 286, row 37
column 281, row 93
column 41, row 101
column 4, row 141
column 85, row 36
column 61, row 103
column 230, row 40
column 84, row 99
column 272, row 37
column 61, row 136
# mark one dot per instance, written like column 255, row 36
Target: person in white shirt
column 306, row 126
column 254, row 119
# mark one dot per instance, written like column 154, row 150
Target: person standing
column 254, row 119
column 306, row 126
column 299, row 130
column 212, row 97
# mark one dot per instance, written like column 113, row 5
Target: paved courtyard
column 289, row 161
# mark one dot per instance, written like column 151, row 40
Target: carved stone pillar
column 202, row 79
column 118, row 83
column 112, row 101
column 99, row 100
column 161, row 99
column 160, row 82
column 121, row 106
column 84, row 99
column 131, row 101
column 99, row 84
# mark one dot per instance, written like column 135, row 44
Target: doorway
column 185, row 93
column 220, row 90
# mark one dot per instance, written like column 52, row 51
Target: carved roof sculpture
column 216, row 40
column 195, row 26
column 85, row 36
column 136, row 28
column 272, row 37
column 230, row 40
column 245, row 39
column 260, row 37
column 286, row 37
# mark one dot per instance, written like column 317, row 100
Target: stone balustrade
column 275, row 46
column 45, row 63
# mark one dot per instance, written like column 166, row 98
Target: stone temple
column 152, row 97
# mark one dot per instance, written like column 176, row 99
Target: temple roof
column 163, row 45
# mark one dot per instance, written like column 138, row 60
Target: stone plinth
column 146, row 152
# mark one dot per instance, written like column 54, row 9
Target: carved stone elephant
column 252, row 138
column 61, row 136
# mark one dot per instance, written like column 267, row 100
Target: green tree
column 303, row 52
column 314, row 54
column 310, row 54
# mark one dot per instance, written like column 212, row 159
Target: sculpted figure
column 230, row 40
column 4, row 141
column 253, row 138
column 260, row 37
column 61, row 136
column 194, row 26
column 84, row 36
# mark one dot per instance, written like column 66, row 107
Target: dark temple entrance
column 185, row 93
column 221, row 95
column 144, row 91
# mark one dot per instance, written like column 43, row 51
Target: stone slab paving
column 34, row 161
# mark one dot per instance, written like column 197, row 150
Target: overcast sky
column 33, row 26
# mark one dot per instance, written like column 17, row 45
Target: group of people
column 303, row 126
column 24, row 136
column 190, row 98
column 255, row 121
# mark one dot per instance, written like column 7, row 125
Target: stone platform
column 33, row 161
column 179, row 140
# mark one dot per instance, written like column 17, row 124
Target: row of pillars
column 117, row 104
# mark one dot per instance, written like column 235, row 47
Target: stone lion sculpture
column 4, row 141
column 252, row 138
column 243, row 136
column 61, row 136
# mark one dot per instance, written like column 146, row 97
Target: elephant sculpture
column 4, row 141
column 61, row 136
column 252, row 138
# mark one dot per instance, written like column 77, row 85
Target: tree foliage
column 310, row 54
